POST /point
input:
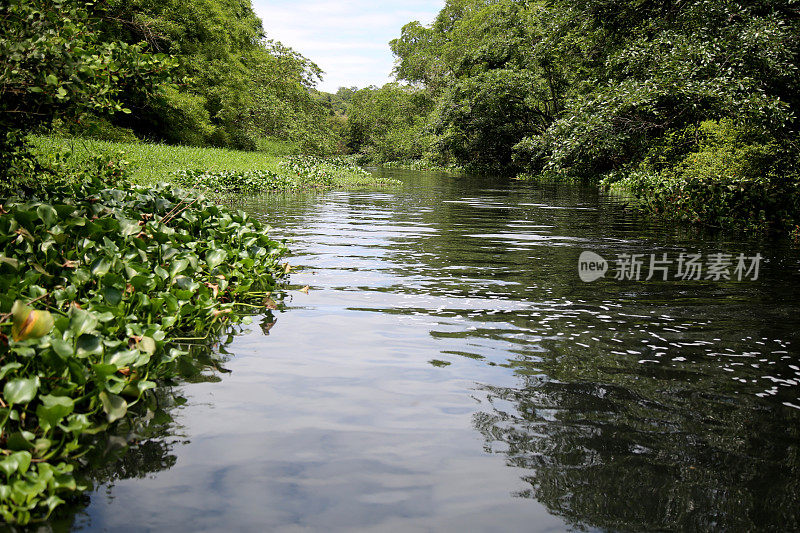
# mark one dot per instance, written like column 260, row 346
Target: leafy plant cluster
column 234, row 181
column 388, row 123
column 183, row 72
column 423, row 165
column 98, row 280
column 55, row 62
column 340, row 170
column 731, row 178
column 236, row 85
column 295, row 172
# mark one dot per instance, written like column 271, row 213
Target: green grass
column 277, row 147
column 153, row 163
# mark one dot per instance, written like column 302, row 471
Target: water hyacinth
column 296, row 173
column 95, row 281
column 234, row 181
column 423, row 165
column 340, row 170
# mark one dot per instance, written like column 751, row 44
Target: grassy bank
column 279, row 168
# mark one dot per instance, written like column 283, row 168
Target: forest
column 689, row 106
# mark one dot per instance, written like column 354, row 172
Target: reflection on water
column 615, row 405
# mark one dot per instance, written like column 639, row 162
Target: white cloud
column 348, row 39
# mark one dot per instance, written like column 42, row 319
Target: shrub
column 730, row 176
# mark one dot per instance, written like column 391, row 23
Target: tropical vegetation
column 691, row 106
column 105, row 273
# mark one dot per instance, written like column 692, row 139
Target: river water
column 448, row 370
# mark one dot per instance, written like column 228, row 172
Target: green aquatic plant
column 97, row 284
column 294, row 173
column 325, row 171
column 234, row 181
column 423, row 165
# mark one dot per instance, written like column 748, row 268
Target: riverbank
column 110, row 262
column 280, row 168
column 102, row 281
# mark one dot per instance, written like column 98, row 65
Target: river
column 449, row 370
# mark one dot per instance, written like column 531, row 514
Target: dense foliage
column 388, row 123
column 54, row 62
column 605, row 88
column 211, row 78
column 295, row 173
column 98, row 278
column 236, row 84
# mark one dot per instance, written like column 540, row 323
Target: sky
column 348, row 39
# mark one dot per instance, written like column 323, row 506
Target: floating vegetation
column 421, row 164
column 296, row 172
column 340, row 171
column 98, row 281
column 235, row 181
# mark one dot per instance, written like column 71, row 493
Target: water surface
column 448, row 370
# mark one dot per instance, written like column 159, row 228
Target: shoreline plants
column 294, row 173
column 99, row 279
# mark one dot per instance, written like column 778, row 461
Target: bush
column 102, row 129
column 733, row 176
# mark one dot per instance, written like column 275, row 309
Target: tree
column 236, row 84
column 388, row 123
column 55, row 63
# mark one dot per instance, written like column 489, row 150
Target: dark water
column 449, row 371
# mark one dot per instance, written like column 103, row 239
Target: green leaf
column 20, row 440
column 145, row 385
column 62, row 348
column 147, row 345
column 123, row 358
column 5, row 369
column 50, row 79
column 129, row 227
column 48, row 214
column 215, row 257
column 16, row 462
column 81, row 321
column 21, row 390
column 114, row 406
column 89, row 345
column 76, row 423
column 12, row 262
column 112, row 295
column 177, row 266
column 101, row 266
column 53, row 409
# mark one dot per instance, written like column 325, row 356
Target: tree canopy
column 602, row 88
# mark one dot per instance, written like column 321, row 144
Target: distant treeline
column 692, row 104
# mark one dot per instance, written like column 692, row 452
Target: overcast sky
column 348, row 39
